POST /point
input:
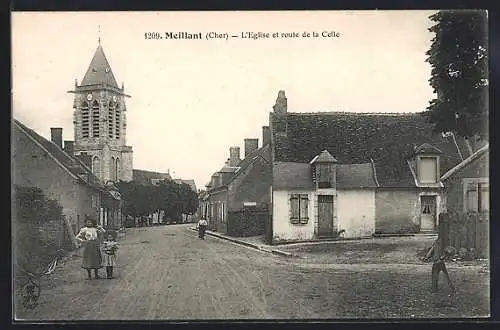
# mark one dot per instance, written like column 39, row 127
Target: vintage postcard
column 182, row 166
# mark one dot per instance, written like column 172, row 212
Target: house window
column 477, row 197
column 324, row 176
column 428, row 169
column 299, row 205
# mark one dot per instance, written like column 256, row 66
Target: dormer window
column 324, row 170
column 428, row 169
column 324, row 176
column 427, row 157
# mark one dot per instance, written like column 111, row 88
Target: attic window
column 324, row 176
column 428, row 170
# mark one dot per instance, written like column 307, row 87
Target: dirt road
column 167, row 273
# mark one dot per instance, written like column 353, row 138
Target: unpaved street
column 167, row 273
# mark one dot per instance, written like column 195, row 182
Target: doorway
column 428, row 213
column 325, row 215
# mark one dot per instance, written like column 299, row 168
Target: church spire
column 99, row 34
column 99, row 71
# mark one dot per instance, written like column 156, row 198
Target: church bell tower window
column 117, row 122
column 111, row 109
column 85, row 120
column 95, row 119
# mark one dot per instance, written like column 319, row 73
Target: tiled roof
column 228, row 176
column 145, row 177
column 72, row 164
column 188, row 182
column 324, row 157
column 290, row 176
column 287, row 176
column 387, row 139
column 355, row 176
column 426, row 148
column 99, row 71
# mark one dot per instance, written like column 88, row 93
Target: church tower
column 100, row 122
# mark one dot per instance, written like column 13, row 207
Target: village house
column 355, row 174
column 237, row 198
column 38, row 162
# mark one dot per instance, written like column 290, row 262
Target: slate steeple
column 99, row 71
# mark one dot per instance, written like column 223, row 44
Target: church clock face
column 89, row 97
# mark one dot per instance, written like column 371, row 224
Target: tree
column 459, row 59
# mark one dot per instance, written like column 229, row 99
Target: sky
column 194, row 99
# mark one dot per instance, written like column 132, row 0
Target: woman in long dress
column 89, row 237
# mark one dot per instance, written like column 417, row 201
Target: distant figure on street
column 109, row 258
column 439, row 254
column 202, row 226
column 89, row 237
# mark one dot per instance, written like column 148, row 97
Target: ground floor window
column 299, row 208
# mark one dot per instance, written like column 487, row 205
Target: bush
column 38, row 230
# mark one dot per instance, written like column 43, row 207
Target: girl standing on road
column 202, row 226
column 89, row 237
column 109, row 260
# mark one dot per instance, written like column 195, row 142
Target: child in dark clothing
column 438, row 255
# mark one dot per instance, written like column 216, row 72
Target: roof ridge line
column 356, row 113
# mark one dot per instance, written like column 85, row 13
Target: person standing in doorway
column 439, row 254
column 202, row 226
column 89, row 237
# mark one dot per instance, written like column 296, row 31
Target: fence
column 465, row 230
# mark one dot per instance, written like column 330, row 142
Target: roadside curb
column 250, row 245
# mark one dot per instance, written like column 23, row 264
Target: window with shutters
column 299, row 208
column 324, row 176
column 477, row 196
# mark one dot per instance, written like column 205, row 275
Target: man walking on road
column 202, row 226
column 439, row 254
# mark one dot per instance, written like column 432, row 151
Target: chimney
column 234, row 156
column 69, row 148
column 280, row 108
column 266, row 135
column 56, row 136
column 250, row 146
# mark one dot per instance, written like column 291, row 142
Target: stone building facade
column 100, row 122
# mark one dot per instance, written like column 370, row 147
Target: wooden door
column 428, row 213
column 325, row 215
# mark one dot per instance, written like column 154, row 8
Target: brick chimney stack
column 69, row 148
column 281, row 107
column 234, row 156
column 250, row 146
column 56, row 136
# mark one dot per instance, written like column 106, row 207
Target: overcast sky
column 193, row 99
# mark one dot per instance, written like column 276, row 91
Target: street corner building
column 237, row 199
column 353, row 175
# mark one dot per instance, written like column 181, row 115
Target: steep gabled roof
column 388, row 139
column 71, row 164
column 99, row 71
column 324, row 157
column 426, row 148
